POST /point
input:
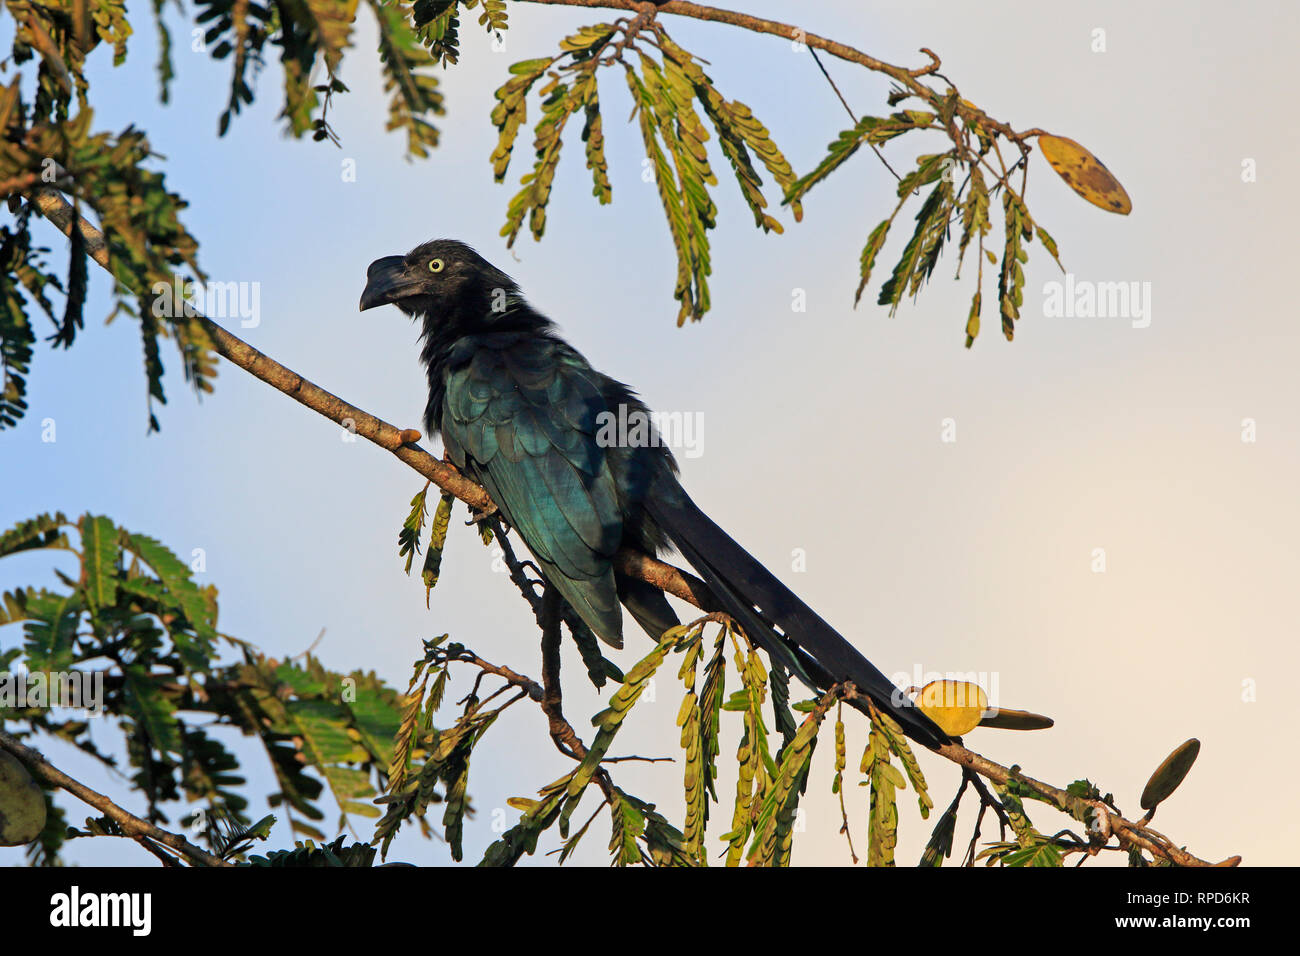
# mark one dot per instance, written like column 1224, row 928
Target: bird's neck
column 451, row 338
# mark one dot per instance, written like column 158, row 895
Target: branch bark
column 666, row 577
column 1125, row 831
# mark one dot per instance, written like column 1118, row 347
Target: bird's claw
column 479, row 519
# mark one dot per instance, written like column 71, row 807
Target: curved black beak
column 387, row 281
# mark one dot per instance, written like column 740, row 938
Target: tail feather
column 760, row 603
column 647, row 605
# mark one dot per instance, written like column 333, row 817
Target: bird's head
column 444, row 281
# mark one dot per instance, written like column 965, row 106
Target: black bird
column 521, row 412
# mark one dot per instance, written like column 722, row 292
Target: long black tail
column 760, row 604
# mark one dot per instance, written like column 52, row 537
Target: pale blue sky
column 822, row 428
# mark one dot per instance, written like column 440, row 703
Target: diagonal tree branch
column 131, row 825
column 666, row 577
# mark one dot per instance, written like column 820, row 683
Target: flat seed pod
column 1085, row 173
column 956, row 706
column 1170, row 774
column 1006, row 719
column 22, row 803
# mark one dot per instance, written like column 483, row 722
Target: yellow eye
column 435, row 265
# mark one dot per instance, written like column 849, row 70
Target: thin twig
column 848, row 109
column 975, row 837
column 844, row 811
column 527, row 586
column 909, row 79
column 566, row 738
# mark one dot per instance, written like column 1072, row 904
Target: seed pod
column 1005, row 718
column 22, row 803
column 1170, row 774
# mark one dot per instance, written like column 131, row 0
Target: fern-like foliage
column 134, row 624
column 408, row 77
column 946, row 203
column 673, row 97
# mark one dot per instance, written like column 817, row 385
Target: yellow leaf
column 956, row 706
column 1085, row 173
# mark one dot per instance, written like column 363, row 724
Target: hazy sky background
column 821, row 429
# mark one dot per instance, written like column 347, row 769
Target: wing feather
column 525, row 413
